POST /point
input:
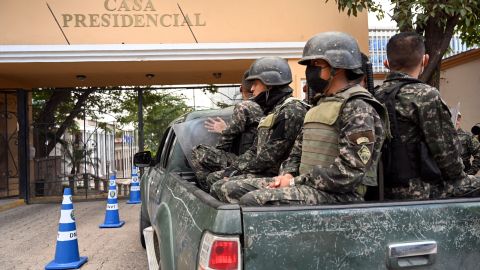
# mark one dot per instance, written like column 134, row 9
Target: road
column 28, row 237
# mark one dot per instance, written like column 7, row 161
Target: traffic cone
column 134, row 188
column 112, row 219
column 66, row 253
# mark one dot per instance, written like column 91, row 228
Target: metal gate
column 81, row 154
column 83, row 158
column 9, row 184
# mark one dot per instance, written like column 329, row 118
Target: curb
column 8, row 206
column 76, row 198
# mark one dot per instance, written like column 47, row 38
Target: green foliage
column 160, row 108
column 414, row 15
column 436, row 20
column 353, row 7
column 75, row 154
column 212, row 89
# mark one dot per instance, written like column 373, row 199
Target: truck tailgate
column 359, row 236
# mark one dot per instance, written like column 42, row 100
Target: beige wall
column 85, row 21
column 115, row 22
column 462, row 84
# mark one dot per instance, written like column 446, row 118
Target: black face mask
column 261, row 99
column 317, row 84
column 268, row 99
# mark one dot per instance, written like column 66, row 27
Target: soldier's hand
column 216, row 125
column 281, row 181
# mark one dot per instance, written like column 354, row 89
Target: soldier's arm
column 439, row 134
column 360, row 139
column 292, row 163
column 284, row 132
column 475, row 150
column 235, row 127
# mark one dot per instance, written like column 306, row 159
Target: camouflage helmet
column 271, row 71
column 339, row 49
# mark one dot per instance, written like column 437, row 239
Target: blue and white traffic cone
column 112, row 219
column 66, row 253
column 134, row 188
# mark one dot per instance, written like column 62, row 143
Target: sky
column 386, row 22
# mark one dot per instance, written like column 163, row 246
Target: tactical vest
column 266, row 123
column 321, row 130
column 243, row 142
column 404, row 161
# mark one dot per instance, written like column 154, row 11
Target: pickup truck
column 190, row 229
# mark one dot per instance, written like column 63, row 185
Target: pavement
column 6, row 204
column 28, row 236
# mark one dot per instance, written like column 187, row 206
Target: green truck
column 186, row 228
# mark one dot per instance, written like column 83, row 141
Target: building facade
column 80, row 43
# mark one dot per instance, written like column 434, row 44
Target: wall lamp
column 81, row 77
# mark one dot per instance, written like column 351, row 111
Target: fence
column 84, row 157
column 83, row 160
column 377, row 43
column 9, row 183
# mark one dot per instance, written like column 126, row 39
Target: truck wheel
column 144, row 223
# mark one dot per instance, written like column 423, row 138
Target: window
column 161, row 149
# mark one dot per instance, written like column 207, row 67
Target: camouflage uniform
column 244, row 121
column 470, row 147
column 420, row 105
column 360, row 130
column 275, row 138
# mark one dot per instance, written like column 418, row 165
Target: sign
column 136, row 13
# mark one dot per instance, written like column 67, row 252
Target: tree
column 55, row 110
column 160, row 109
column 76, row 155
column 436, row 20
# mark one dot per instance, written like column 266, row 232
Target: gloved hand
column 230, row 171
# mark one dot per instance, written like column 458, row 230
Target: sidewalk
column 28, row 237
column 6, row 204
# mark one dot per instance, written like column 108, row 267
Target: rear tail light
column 219, row 253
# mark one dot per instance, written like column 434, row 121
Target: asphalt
column 28, row 236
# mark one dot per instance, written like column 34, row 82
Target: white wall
column 462, row 84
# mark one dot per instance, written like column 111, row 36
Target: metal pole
column 85, row 180
column 194, row 105
column 123, row 155
column 6, row 173
column 141, row 144
column 114, row 156
column 105, row 153
column 22, row 112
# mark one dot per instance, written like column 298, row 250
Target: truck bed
column 358, row 236
column 436, row 234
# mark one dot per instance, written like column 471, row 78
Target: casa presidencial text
column 136, row 13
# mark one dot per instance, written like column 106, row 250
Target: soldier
column 476, row 131
column 276, row 131
column 469, row 147
column 421, row 161
column 235, row 138
column 335, row 158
